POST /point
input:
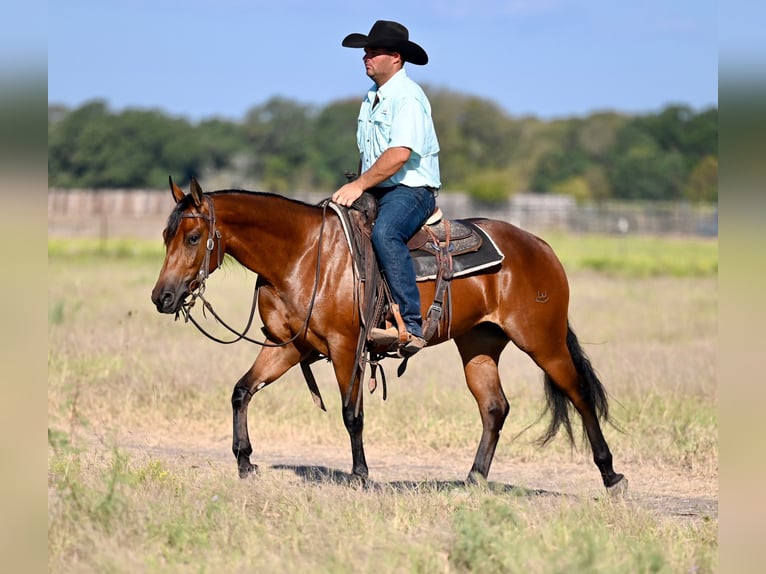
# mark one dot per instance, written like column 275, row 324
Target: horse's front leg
column 354, row 422
column 240, row 399
column 353, row 409
column 272, row 363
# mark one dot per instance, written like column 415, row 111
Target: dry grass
column 141, row 477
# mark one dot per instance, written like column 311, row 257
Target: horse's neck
column 266, row 233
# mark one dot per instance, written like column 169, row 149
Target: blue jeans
column 401, row 212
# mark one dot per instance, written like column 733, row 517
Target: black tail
column 591, row 388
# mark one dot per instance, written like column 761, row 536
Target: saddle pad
column 425, row 262
column 487, row 256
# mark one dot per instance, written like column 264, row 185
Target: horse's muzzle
column 168, row 300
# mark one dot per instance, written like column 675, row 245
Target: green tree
column 575, row 186
column 702, row 185
column 558, row 166
column 566, row 159
column 491, row 186
column 701, row 138
column 220, row 141
column 645, row 171
column 677, row 128
column 287, row 146
column 94, row 148
column 650, row 159
column 66, row 165
column 596, row 135
column 597, row 181
column 277, row 133
column 333, row 144
column 475, row 135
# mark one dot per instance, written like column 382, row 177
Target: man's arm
column 389, row 162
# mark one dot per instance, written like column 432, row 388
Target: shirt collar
column 389, row 87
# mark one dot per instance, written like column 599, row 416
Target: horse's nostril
column 167, row 298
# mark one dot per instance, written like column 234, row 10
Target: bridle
column 198, row 291
column 204, row 270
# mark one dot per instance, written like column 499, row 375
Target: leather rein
column 204, row 272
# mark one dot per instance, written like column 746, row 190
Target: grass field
column 141, row 476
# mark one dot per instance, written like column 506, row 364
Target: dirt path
column 659, row 491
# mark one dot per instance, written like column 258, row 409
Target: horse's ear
column 196, row 191
column 178, row 193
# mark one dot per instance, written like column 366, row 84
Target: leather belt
column 381, row 190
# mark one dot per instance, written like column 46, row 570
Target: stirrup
column 383, row 337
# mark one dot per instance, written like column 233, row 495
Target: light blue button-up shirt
column 402, row 118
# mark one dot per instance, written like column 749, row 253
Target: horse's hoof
column 618, row 489
column 358, row 480
column 246, row 469
column 475, row 478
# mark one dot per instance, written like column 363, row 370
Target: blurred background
column 566, row 114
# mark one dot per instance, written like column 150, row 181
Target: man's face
column 381, row 63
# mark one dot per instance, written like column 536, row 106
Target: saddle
column 455, row 234
column 441, row 249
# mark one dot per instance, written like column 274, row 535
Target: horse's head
column 190, row 238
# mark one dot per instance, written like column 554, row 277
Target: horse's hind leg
column 480, row 351
column 569, row 375
column 272, row 363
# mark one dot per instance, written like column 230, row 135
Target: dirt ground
column 668, row 494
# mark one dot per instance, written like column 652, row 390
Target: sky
column 201, row 59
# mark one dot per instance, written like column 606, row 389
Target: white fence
column 143, row 213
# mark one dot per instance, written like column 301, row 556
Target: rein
column 203, row 274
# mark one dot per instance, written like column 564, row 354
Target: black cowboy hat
column 390, row 35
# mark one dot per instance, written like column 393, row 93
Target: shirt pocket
column 374, row 133
column 381, row 132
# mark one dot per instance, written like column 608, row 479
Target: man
column 399, row 165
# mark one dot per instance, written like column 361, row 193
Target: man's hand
column 348, row 194
column 389, row 162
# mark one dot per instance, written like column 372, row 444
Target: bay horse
column 306, row 303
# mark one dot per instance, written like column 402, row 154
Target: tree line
column 282, row 146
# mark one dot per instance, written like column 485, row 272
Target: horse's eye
column 193, row 239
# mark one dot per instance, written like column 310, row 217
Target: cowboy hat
column 391, row 35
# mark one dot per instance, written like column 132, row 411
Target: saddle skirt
column 472, row 249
